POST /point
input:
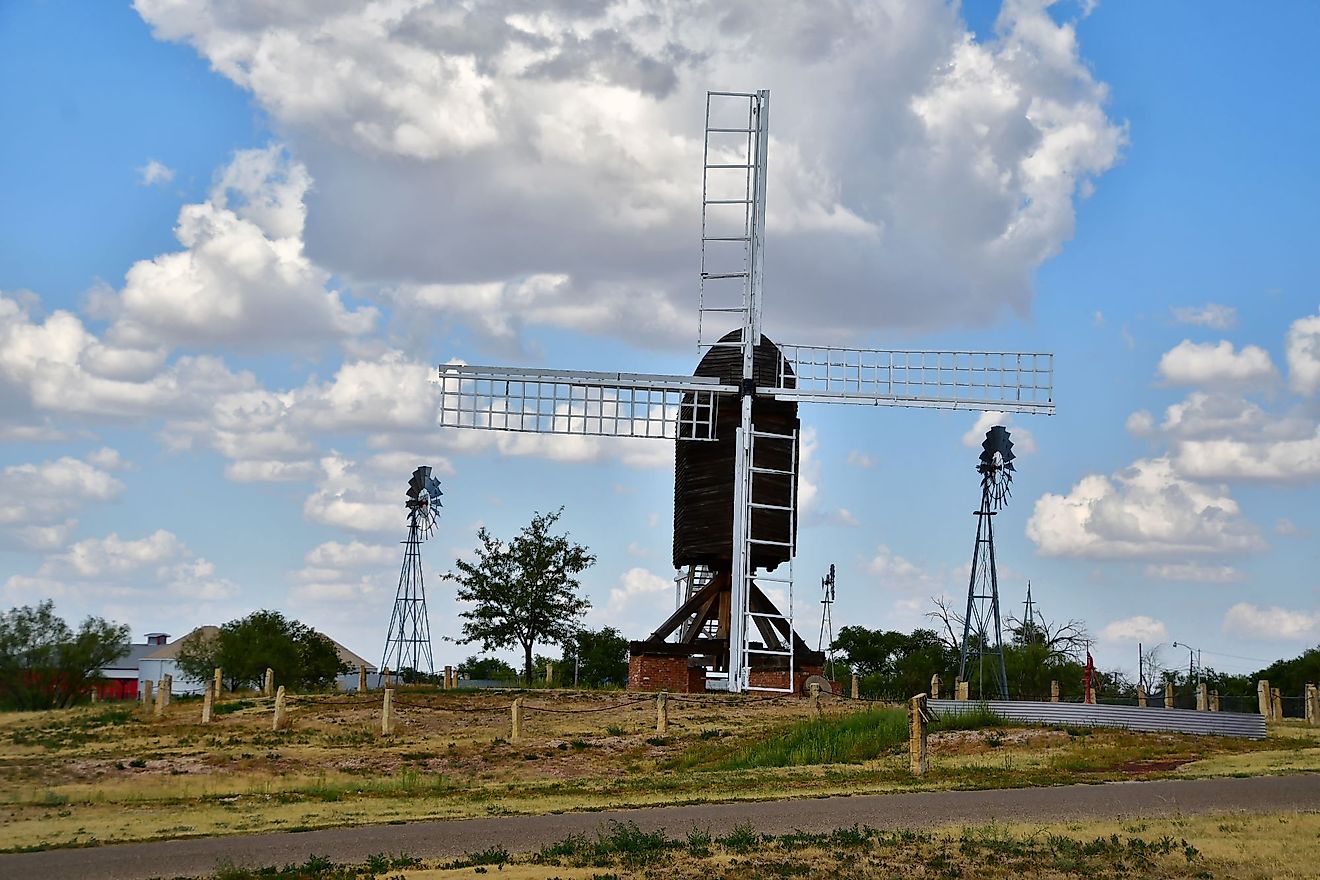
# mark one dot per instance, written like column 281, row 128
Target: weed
column 841, row 739
column 699, row 842
column 615, row 730
column 138, row 762
column 741, row 839
column 657, row 741
column 234, row 706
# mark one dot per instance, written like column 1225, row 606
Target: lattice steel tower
column 408, row 641
column 826, row 643
column 982, row 638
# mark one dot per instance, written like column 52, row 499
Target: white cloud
column 354, row 554
column 242, row 278
column 896, row 574
column 37, row 501
column 113, row 557
column 915, row 173
column 860, row 459
column 1303, row 353
column 1243, row 460
column 108, row 459
column 1211, row 315
column 1145, row 510
column 155, row 172
column 1271, row 624
column 1287, row 528
column 1193, row 363
column 1195, row 572
column 1135, row 629
column 1140, row 423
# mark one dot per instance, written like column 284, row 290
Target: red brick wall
column 778, row 678
column 649, row 673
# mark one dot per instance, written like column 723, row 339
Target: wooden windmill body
column 735, row 426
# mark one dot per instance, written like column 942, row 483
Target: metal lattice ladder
column 775, row 629
column 686, row 585
column 732, row 214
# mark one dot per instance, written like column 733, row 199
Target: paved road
column 173, row 858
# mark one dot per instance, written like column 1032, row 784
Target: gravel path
column 139, row 861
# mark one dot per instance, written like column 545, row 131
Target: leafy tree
column 600, row 657
column 523, row 592
column 487, row 669
column 303, row 659
column 894, row 664
column 44, row 664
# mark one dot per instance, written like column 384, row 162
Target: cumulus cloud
column 242, row 278
column 860, row 459
column 1193, row 363
column 1303, row 353
column 1211, row 315
column 1148, row 509
column 1272, row 623
column 1140, row 628
column 58, row 366
column 155, row 172
column 499, row 155
column 38, row 501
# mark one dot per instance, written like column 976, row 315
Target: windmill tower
column 826, row 641
column 408, row 640
column 735, row 423
column 982, row 640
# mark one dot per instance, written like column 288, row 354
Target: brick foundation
column 648, row 672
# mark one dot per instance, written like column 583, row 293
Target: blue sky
column 237, row 238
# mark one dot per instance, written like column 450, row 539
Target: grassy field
column 1228, row 847
column 111, row 773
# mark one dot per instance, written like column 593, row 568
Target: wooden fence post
column 1276, row 704
column 516, row 719
column 919, row 718
column 387, row 712
column 549, row 673
column 163, row 695
column 208, row 702
column 1054, row 692
column 856, row 686
column 1168, row 693
column 281, row 714
column 1312, row 705
column 362, row 679
column 964, row 690
column 219, row 681
column 146, row 692
column 1141, row 696
column 661, row 713
column 813, row 690
column 268, row 689
column 1214, row 701
column 1203, row 697
column 449, row 678
column 935, row 686
column 1263, row 699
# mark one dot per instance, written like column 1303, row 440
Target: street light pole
column 1193, row 661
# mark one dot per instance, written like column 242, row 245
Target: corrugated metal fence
column 1128, row 717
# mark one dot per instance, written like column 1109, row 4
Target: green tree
column 45, row 664
column 522, row 592
column 600, row 657
column 303, row 659
column 487, row 669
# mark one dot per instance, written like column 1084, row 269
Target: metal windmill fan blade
column 418, row 481
column 433, row 491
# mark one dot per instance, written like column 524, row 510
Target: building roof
column 171, row 651
column 132, row 654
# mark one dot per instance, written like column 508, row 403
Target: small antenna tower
column 982, row 634
column 827, row 623
column 1029, row 616
column 408, row 641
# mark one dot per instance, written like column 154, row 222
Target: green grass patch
column 837, row 739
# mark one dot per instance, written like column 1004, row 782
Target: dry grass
column 102, row 774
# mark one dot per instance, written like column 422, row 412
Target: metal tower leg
column 983, row 607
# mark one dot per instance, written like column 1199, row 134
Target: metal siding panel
column 1152, row 719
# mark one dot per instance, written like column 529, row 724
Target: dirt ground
column 115, row 773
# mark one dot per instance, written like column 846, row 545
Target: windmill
column 982, row 638
column 735, row 423
column 408, row 640
column 825, row 643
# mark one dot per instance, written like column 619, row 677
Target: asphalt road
column 174, row 858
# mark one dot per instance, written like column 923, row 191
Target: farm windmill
column 983, row 638
column 408, row 640
column 734, row 422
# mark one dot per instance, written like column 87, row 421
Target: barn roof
column 171, row 651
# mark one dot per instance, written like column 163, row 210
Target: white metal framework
column 579, row 402
column 774, row 627
column 684, row 407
